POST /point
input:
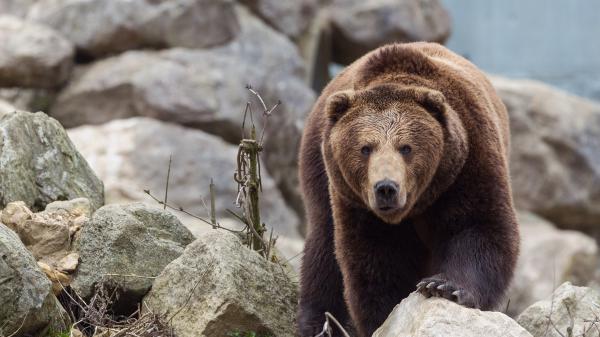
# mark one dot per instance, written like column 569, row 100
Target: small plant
column 247, row 175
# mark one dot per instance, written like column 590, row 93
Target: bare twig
column 182, row 210
column 167, row 185
column 327, row 326
column 213, row 214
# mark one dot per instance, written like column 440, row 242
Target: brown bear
column 404, row 175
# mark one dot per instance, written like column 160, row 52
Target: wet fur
column 461, row 233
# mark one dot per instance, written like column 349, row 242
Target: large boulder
column 123, row 248
column 204, row 89
column 29, row 308
column 131, row 159
column 32, row 55
column 219, row 287
column 362, row 25
column 101, row 27
column 555, row 152
column 569, row 311
column 417, row 316
column 289, row 17
column 549, row 256
column 39, row 164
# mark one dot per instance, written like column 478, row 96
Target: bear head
column 391, row 148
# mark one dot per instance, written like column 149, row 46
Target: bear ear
column 338, row 104
column 434, row 102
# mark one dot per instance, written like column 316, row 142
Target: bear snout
column 387, row 195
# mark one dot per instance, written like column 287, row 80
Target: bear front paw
column 440, row 286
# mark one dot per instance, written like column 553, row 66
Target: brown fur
column 455, row 224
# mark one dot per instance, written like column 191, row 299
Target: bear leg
column 321, row 285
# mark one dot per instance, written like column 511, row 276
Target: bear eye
column 405, row 149
column 366, row 150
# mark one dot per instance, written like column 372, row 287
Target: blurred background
column 138, row 81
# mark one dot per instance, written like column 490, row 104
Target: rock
column 69, row 263
column 39, row 164
column 132, row 158
column 14, row 214
column 28, row 99
column 569, row 311
column 48, row 235
column 102, row 27
column 362, row 25
column 203, row 89
column 17, row 8
column 29, row 308
column 123, row 247
column 32, row 55
column 417, row 316
column 59, row 279
column 289, row 17
column 224, row 287
column 548, row 257
column 555, row 153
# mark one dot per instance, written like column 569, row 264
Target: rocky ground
column 127, row 85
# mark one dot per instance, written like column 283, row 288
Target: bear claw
column 439, row 286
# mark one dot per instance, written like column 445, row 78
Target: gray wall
column 555, row 41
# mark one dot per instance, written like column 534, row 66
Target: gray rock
column 131, row 158
column 222, row 287
column 102, row 27
column 203, row 89
column 417, row 316
column 289, row 17
column 555, row 152
column 29, row 308
column 549, row 256
column 28, row 99
column 569, row 311
column 362, row 25
column 32, row 55
column 39, row 164
column 17, row 8
column 124, row 247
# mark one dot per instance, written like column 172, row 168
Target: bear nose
column 386, row 193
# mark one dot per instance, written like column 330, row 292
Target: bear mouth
column 388, row 209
